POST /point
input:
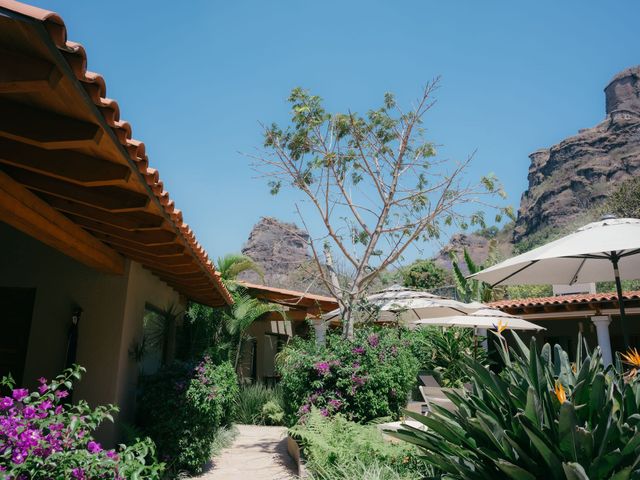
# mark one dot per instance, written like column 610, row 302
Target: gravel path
column 257, row 453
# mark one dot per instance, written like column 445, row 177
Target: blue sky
column 196, row 78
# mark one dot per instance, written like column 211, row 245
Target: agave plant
column 541, row 417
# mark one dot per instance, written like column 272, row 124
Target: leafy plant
column 232, row 265
column 42, row 436
column 366, row 378
column 542, row 417
column 183, row 406
column 243, row 313
column 251, row 403
column 424, row 274
column 445, row 352
column 469, row 289
column 335, row 448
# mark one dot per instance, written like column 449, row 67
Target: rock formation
column 281, row 250
column 578, row 173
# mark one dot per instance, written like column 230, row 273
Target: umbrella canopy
column 485, row 318
column 402, row 304
column 598, row 251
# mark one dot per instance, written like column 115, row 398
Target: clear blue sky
column 194, row 78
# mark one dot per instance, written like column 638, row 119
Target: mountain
column 568, row 179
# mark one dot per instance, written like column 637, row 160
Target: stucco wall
column 113, row 308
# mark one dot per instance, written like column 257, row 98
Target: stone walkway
column 257, row 453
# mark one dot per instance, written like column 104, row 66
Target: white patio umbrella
column 400, row 304
column 596, row 252
column 486, row 318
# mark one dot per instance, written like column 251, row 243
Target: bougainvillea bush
column 183, row 406
column 365, row 378
column 42, row 437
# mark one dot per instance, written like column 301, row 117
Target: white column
column 602, row 329
column 320, row 328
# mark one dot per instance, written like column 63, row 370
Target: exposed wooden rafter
column 115, row 199
column 25, row 211
column 64, row 164
column 27, row 74
column 44, row 128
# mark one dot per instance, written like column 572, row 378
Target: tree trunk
column 239, row 347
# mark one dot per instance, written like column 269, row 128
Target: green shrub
column 335, row 448
column 542, row 417
column 43, row 436
column 366, row 378
column 251, row 403
column 445, row 352
column 182, row 407
column 424, row 274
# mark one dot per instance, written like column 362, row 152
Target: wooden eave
column 63, row 146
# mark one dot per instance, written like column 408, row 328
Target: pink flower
column 374, row 340
column 43, row 388
column 78, row 473
column 29, row 412
column 20, row 393
column 358, row 350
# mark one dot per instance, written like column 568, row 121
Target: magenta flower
column 29, row 412
column 62, row 394
column 358, row 350
column 324, row 412
column 20, row 393
column 78, row 473
column 322, row 368
column 94, row 447
column 6, row 403
column 373, row 340
column 43, row 388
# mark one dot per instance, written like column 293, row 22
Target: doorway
column 16, row 307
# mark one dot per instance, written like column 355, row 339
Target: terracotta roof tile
column 95, row 86
column 564, row 299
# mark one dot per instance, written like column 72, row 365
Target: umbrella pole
column 623, row 322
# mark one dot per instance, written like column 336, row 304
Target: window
column 154, row 339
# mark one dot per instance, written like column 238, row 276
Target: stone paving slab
column 257, row 453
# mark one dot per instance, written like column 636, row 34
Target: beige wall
column 113, row 308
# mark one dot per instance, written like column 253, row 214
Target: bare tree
column 374, row 183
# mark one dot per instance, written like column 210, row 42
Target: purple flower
column 322, row 368
column 112, row 455
column 45, row 405
column 373, row 340
column 335, row 403
column 94, row 447
column 358, row 350
column 304, row 409
column 20, row 393
column 43, row 388
column 78, row 473
column 5, row 403
column 62, row 394
column 324, row 412
column 18, row 457
column 29, row 412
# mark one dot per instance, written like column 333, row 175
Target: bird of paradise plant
column 538, row 418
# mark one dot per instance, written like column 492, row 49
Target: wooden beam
column 64, row 164
column 165, row 250
column 115, row 199
column 26, row 74
column 134, row 220
column 158, row 236
column 44, row 128
column 25, row 211
column 178, row 260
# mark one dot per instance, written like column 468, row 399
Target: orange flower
column 560, row 392
column 501, row 327
column 632, row 357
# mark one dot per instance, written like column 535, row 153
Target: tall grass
column 251, row 401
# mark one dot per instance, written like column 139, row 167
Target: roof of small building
column 296, row 299
column 564, row 300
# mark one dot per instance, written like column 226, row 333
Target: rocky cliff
column 281, row 249
column 569, row 178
